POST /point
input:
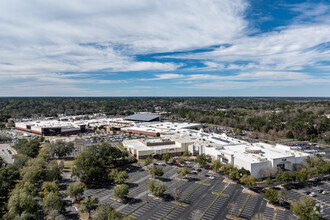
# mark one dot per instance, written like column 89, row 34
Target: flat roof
column 137, row 145
column 142, row 117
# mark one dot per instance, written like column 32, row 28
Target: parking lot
column 315, row 192
column 6, row 153
column 213, row 198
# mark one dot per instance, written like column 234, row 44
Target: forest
column 302, row 119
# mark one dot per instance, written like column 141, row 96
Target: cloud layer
column 92, row 47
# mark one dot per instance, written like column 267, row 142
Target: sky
column 165, row 48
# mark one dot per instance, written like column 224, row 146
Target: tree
column 187, row 154
column 269, row 181
column 102, row 212
column 53, row 171
column 75, row 190
column 29, row 148
column 48, row 187
column 176, row 193
column 20, row 201
column 52, row 201
column 234, row 174
column 118, row 177
column 243, row 172
column 20, row 160
column 290, row 135
column 44, row 153
column 157, row 188
column 32, row 174
column 185, row 171
column 88, row 204
column 227, row 168
column 248, row 180
column 8, row 176
column 108, row 153
column 181, row 161
column 203, row 159
column 88, row 167
column 148, row 161
column 121, row 190
column 216, row 165
column 54, row 215
column 271, row 195
column 280, row 197
column 166, row 157
column 156, row 171
column 60, row 148
column 305, row 208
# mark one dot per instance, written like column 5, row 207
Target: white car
column 312, row 194
column 211, row 177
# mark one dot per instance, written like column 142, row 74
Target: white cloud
column 41, row 38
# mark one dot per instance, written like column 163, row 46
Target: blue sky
column 164, row 48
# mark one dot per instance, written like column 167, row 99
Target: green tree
column 166, row 157
column 157, row 188
column 185, row 171
column 156, row 171
column 8, row 177
column 268, row 181
column 148, row 161
column 32, row 174
column 216, row 165
column 29, row 148
column 271, row 195
column 305, row 208
column 20, row 201
column 48, row 187
column 248, row 180
column 53, row 171
column 60, row 148
column 75, row 190
column 102, row 212
column 181, row 161
column 44, row 153
column 203, row 159
column 88, row 204
column 52, row 201
column 234, row 174
column 290, row 135
column 20, row 160
column 280, row 197
column 187, row 154
column 118, row 177
column 121, row 190
column 88, row 167
column 243, row 172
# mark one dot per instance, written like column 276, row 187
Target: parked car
column 212, row 177
column 312, row 194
